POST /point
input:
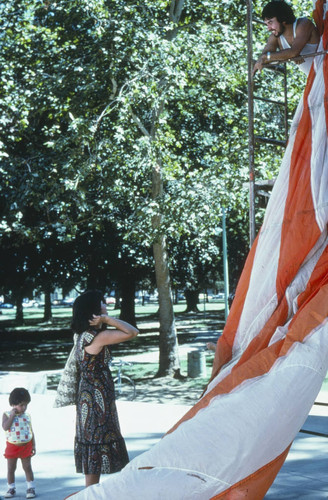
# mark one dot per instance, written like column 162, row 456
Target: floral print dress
column 99, row 446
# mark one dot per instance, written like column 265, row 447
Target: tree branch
column 139, row 124
column 176, row 8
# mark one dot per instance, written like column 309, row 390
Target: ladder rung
column 265, row 99
column 263, row 193
column 269, row 183
column 259, row 21
column 267, row 140
column 275, row 67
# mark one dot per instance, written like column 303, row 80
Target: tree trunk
column 169, row 363
column 117, row 298
column 128, row 290
column 19, row 310
column 47, row 315
column 192, row 300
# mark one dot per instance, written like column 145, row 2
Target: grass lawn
column 39, row 345
column 50, row 352
column 62, row 315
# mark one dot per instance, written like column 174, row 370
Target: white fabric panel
column 319, row 160
column 154, row 484
column 265, row 414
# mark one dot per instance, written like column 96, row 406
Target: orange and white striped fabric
column 273, row 354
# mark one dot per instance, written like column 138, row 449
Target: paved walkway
column 303, row 476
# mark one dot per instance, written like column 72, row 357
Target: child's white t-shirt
column 20, row 431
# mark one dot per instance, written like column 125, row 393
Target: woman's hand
column 98, row 320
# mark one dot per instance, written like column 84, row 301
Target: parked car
column 6, row 305
column 56, row 302
column 67, row 302
column 110, row 300
column 30, row 303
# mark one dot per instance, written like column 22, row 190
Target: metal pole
column 250, row 123
column 286, row 103
column 225, row 264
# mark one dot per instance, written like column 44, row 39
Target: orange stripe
column 318, row 15
column 299, row 216
column 262, row 340
column 318, row 274
column 312, row 314
column 255, row 486
column 224, row 345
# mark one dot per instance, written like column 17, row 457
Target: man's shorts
column 18, row 451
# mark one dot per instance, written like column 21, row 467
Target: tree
column 124, row 129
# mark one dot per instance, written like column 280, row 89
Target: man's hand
column 299, row 60
column 258, row 66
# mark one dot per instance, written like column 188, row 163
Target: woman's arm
column 121, row 333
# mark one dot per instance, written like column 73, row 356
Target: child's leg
column 12, row 463
column 26, row 464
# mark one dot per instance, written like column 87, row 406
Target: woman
column 99, row 445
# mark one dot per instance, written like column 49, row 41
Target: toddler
column 20, row 440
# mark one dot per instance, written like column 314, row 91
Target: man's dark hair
column 279, row 9
column 84, row 307
column 19, row 395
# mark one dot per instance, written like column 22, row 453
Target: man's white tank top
column 309, row 48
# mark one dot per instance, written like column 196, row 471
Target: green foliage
column 93, row 95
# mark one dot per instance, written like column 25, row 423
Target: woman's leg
column 12, row 463
column 26, row 464
column 91, row 479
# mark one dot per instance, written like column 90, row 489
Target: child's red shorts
column 18, row 451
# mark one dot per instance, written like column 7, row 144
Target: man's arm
column 271, row 46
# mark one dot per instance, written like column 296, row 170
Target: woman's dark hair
column 84, row 307
column 279, row 9
column 19, row 395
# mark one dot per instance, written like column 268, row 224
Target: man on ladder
column 290, row 37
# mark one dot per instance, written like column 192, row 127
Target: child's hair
column 87, row 304
column 19, row 395
column 279, row 9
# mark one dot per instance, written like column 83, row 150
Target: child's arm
column 33, row 443
column 7, row 421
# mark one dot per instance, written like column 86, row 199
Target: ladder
column 255, row 186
